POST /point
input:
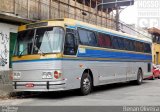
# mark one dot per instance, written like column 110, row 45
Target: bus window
column 131, row 45
column 147, row 48
column 126, row 44
column 136, row 46
column 115, row 43
column 24, row 42
column 87, row 37
column 70, row 46
column 100, row 40
column 107, row 41
column 104, row 40
column 121, row 43
column 141, row 47
column 48, row 40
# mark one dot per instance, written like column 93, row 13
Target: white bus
column 64, row 54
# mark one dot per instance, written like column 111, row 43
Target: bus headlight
column 47, row 75
column 16, row 75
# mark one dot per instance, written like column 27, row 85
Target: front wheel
column 86, row 84
column 139, row 77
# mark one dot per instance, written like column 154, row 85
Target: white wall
column 5, row 30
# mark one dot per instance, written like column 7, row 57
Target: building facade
column 7, row 39
column 156, row 45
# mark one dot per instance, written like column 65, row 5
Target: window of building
column 158, row 39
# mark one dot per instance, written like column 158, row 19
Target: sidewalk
column 5, row 84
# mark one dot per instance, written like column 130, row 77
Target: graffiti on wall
column 4, row 41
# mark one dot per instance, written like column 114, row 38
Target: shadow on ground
column 71, row 93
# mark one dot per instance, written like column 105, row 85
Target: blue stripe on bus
column 71, row 27
column 100, row 55
column 110, row 54
column 113, row 34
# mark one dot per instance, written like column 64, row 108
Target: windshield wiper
column 21, row 52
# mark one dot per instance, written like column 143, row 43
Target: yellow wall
column 155, row 48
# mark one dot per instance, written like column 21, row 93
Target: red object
column 155, row 73
column 11, row 76
column 57, row 75
column 29, row 85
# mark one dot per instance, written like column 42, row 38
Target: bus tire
column 139, row 77
column 86, row 84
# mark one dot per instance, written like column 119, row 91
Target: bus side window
column 147, row 48
column 87, row 37
column 115, row 42
column 107, row 41
column 70, row 46
column 131, row 45
column 121, row 43
column 136, row 46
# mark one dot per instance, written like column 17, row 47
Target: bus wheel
column 86, row 84
column 139, row 77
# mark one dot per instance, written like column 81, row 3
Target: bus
column 65, row 54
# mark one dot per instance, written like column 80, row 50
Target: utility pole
column 116, row 4
column 117, row 18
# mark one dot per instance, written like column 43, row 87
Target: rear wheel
column 86, row 84
column 139, row 77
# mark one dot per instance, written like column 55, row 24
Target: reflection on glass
column 46, row 40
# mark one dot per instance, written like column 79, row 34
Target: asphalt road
column 122, row 94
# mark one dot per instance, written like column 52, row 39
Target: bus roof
column 73, row 22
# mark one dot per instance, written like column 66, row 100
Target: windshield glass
column 41, row 40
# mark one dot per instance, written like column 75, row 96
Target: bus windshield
column 40, row 40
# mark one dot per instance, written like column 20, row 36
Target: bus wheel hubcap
column 140, row 77
column 86, row 84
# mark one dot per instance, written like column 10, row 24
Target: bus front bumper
column 39, row 85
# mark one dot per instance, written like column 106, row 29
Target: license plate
column 29, row 85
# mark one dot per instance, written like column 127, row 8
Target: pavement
column 121, row 94
column 5, row 83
